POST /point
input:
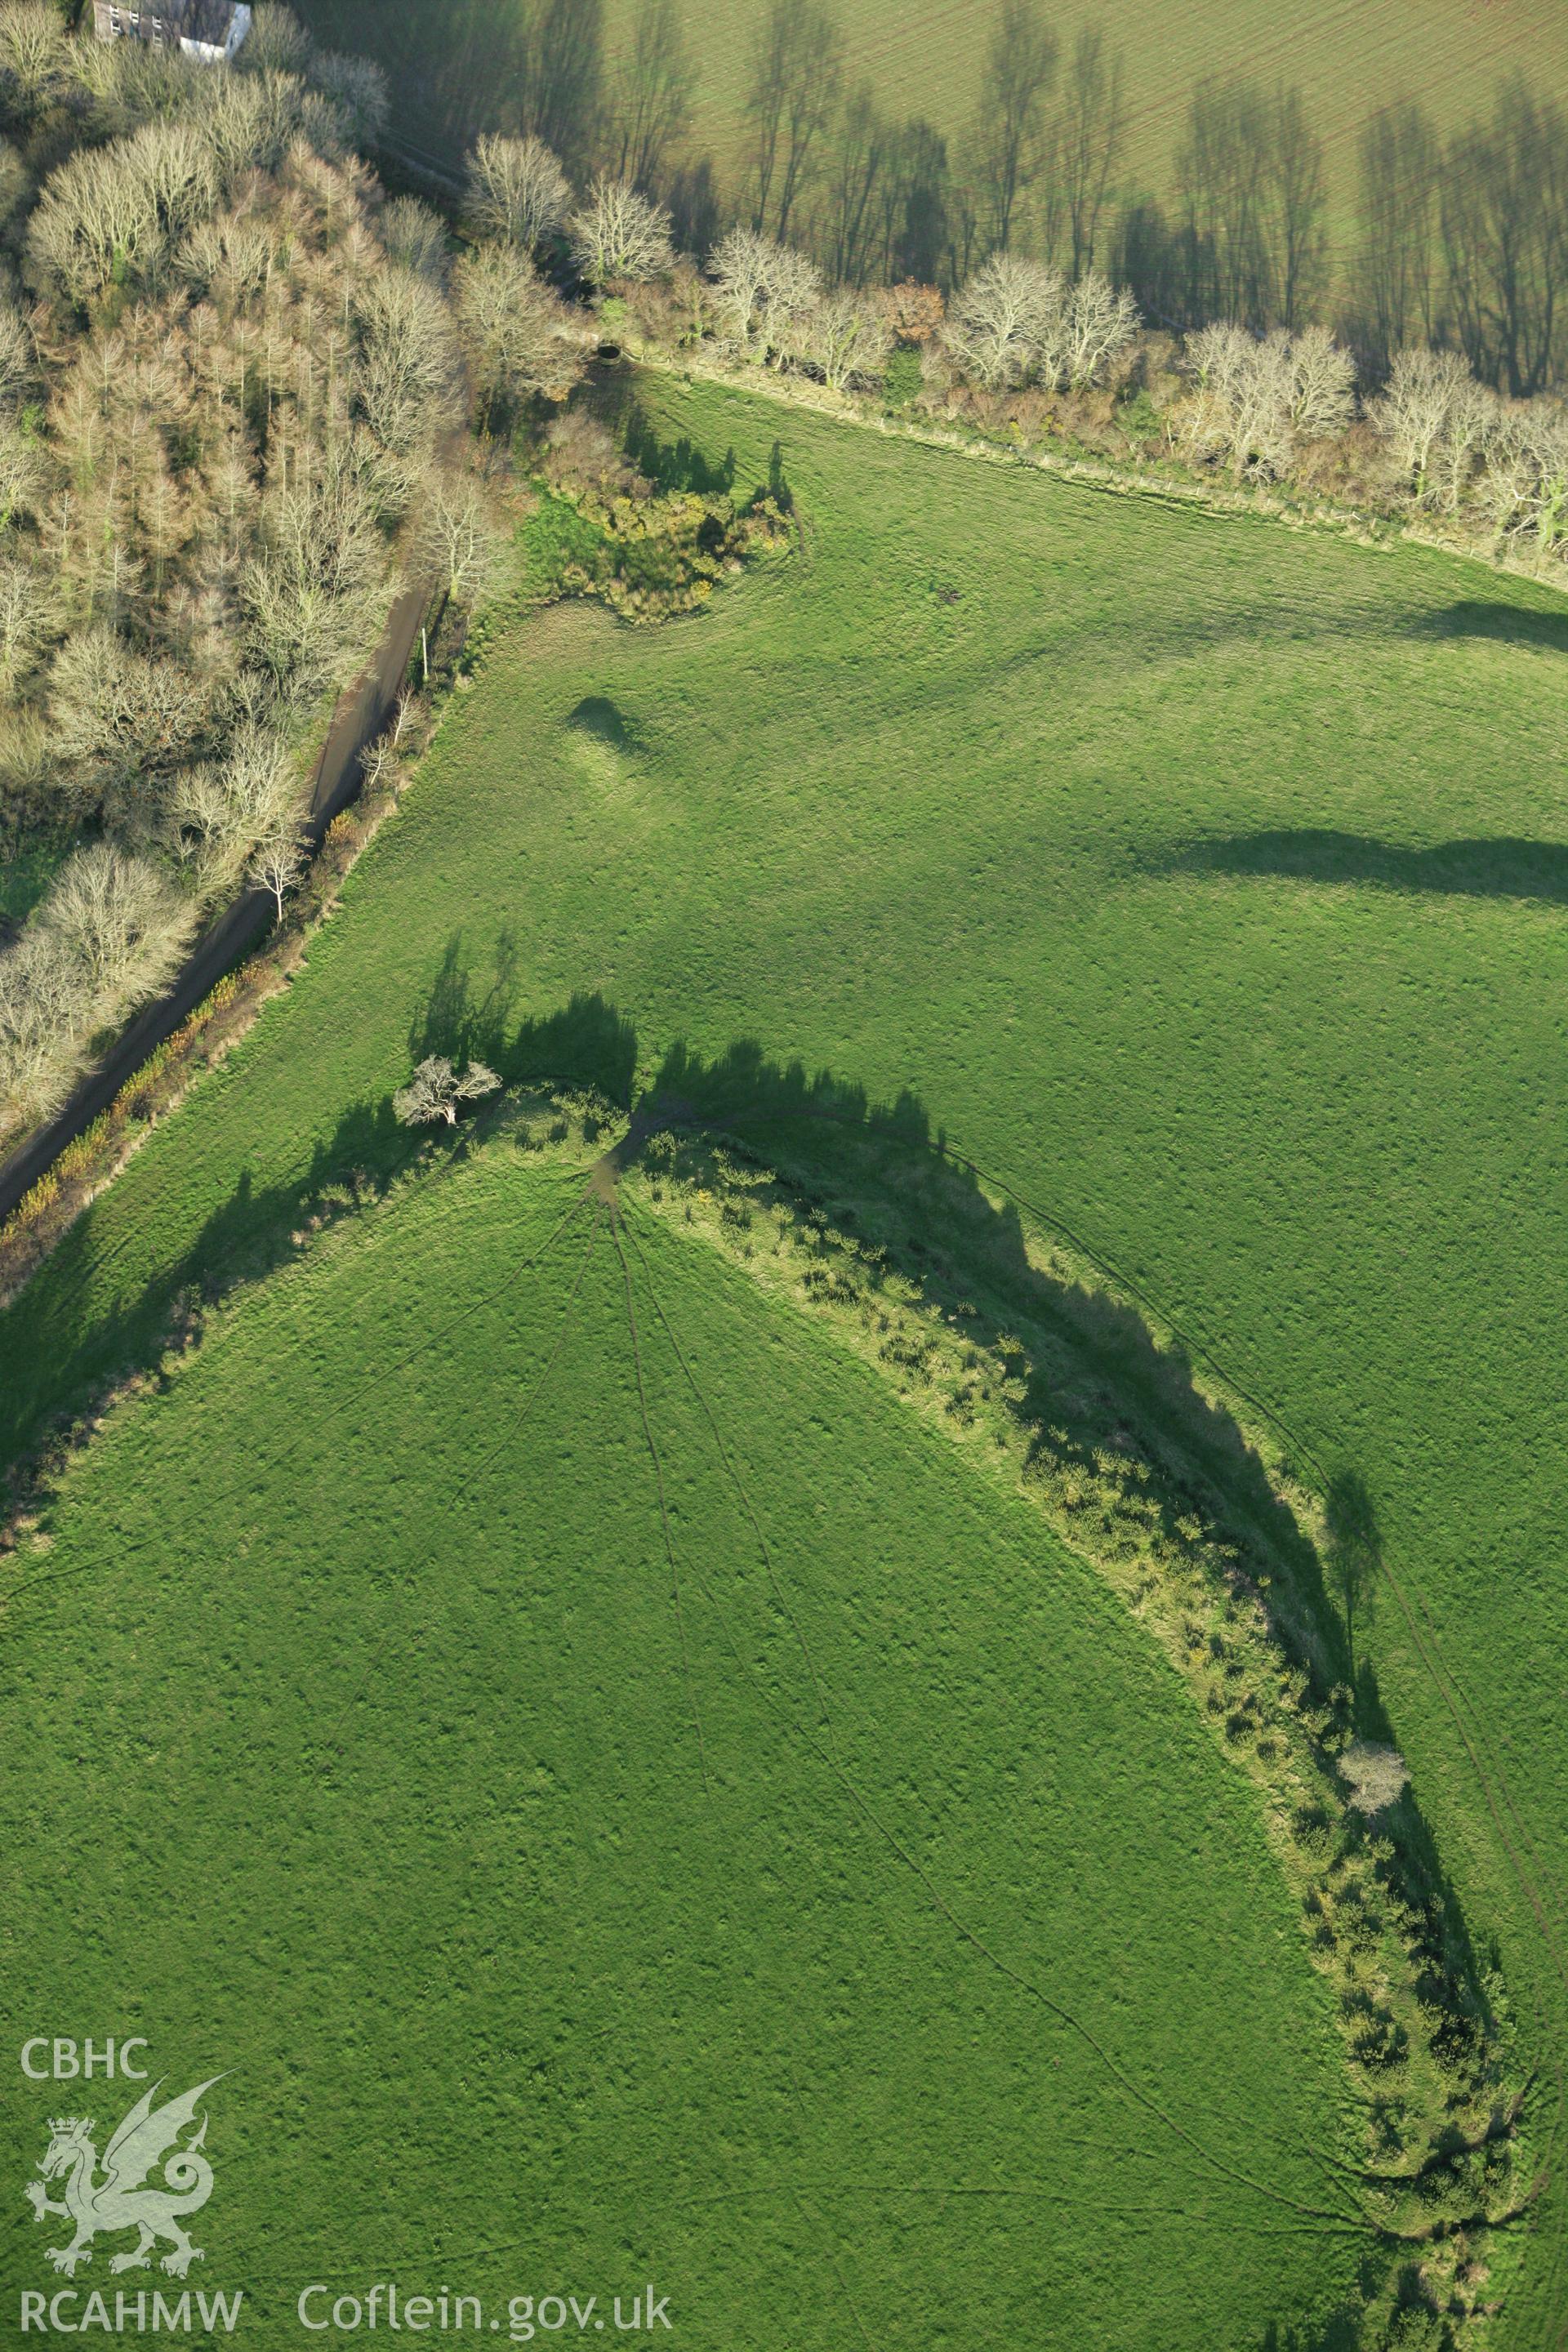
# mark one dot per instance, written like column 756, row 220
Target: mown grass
column 611, row 1832
column 455, row 65
column 1015, row 795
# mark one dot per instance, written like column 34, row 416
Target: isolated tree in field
column 796, row 63
column 518, row 335
column 653, row 96
column 1020, row 64
column 619, row 234
column 516, row 189
column 1374, row 1775
column 280, row 859
column 436, row 1091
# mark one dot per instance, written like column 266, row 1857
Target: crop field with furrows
column 699, row 1830
column 1201, row 879
column 456, row 63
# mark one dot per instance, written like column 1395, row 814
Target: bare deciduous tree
column 1423, row 387
column 1373, row 1775
column 845, row 335
column 1322, row 387
column 435, row 1091
column 108, row 934
column 34, row 59
column 405, row 369
column 1098, row 322
column 277, row 41
column 28, row 613
column 279, row 860
column 416, row 236
column 619, row 234
column 458, row 542
column 1241, row 409
column 1524, row 480
column 997, row 320
column 739, row 267
column 518, row 337
column 517, row 189
column 355, row 89
column 763, row 293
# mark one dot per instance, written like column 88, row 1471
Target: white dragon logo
column 119, row 2200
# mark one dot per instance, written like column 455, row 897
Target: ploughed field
column 1203, row 880
column 459, row 66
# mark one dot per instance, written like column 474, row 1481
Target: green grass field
column 454, row 68
column 857, row 1932
column 1202, row 879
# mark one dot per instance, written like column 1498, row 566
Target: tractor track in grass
column 333, row 1409
column 1517, row 1845
column 1339, row 2219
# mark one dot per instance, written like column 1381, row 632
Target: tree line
column 1459, row 240
column 236, row 389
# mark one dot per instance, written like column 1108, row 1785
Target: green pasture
column 456, row 63
column 1202, row 879
column 624, row 1803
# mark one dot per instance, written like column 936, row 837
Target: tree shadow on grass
column 53, row 1365
column 1102, row 1380
column 1503, row 868
column 1339, row 2333
column 1513, row 624
column 678, row 465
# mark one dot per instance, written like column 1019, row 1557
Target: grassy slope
column 949, row 846
column 365, row 1761
column 454, row 62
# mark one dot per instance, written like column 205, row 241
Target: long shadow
column 678, row 465
column 53, row 1366
column 1342, row 2332
column 1095, row 1380
column 1511, row 624
column 1501, row 867
column 1099, row 1381
column 1103, row 1383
